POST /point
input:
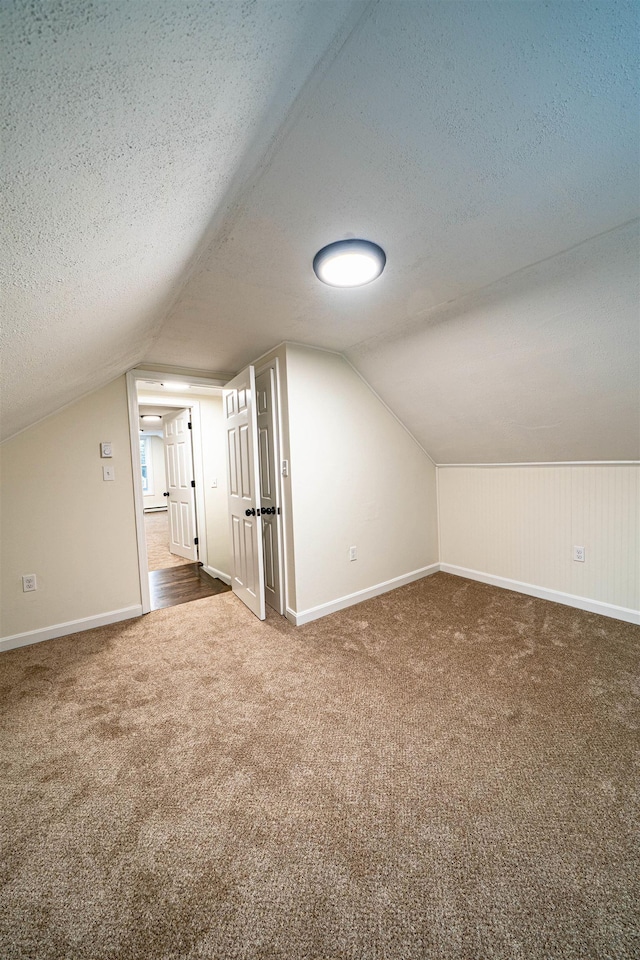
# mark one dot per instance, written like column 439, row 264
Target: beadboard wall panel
column 522, row 522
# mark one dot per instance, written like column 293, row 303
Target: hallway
column 174, row 580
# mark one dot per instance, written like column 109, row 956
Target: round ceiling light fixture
column 349, row 263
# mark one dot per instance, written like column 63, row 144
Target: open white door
column 178, row 459
column 247, row 563
column 268, row 448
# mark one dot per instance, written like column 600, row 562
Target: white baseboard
column 72, row 626
column 218, row 574
column 543, row 593
column 314, row 613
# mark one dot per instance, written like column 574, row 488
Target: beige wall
column 357, row 478
column 522, row 523
column 215, row 470
column 61, row 521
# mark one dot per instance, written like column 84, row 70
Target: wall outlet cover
column 578, row 554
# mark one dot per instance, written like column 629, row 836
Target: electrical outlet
column 29, row 583
column 578, row 554
column 353, row 553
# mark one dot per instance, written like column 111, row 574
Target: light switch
column 108, row 472
column 105, row 449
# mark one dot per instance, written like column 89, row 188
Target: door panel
column 266, row 399
column 247, row 565
column 178, row 457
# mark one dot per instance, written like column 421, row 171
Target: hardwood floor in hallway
column 181, row 584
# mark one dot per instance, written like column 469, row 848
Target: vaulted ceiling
column 172, row 167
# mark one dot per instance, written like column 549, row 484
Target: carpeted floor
column 449, row 771
column 156, row 527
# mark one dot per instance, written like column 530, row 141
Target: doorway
column 170, row 397
column 176, row 509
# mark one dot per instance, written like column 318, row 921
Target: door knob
column 166, row 494
column 250, row 513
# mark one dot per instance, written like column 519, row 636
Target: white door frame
column 277, row 456
column 175, row 400
column 243, row 491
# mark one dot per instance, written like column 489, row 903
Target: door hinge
column 195, row 540
column 189, row 425
column 193, row 483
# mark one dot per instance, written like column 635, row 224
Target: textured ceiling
column 128, row 127
column 173, row 168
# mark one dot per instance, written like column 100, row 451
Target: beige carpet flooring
column 156, row 527
column 449, row 771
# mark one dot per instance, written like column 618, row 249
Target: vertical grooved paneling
column 523, row 522
column 605, row 523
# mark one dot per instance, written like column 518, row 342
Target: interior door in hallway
column 178, row 458
column 247, row 563
column 266, row 410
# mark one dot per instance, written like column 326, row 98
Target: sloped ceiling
column 175, row 166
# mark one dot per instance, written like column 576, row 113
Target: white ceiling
column 173, row 168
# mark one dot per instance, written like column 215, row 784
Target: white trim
column 72, row 626
column 217, row 574
column 274, row 364
column 548, row 463
column 544, row 593
column 314, row 613
column 197, row 457
column 138, row 493
column 158, row 375
column 438, row 512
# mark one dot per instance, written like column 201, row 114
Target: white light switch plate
column 108, row 472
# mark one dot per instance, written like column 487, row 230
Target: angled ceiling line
column 416, row 322
column 248, row 175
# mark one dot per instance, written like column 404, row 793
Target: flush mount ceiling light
column 349, row 263
column 150, row 416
